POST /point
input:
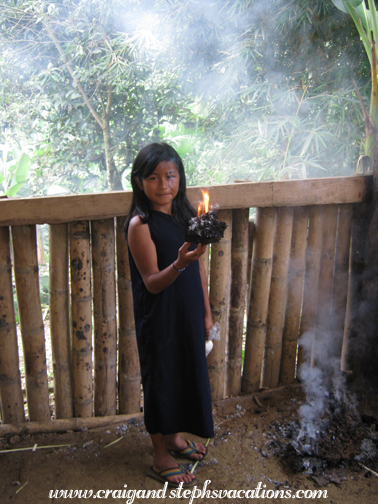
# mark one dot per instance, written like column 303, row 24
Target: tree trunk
column 114, row 176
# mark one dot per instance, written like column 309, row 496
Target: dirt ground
column 242, row 456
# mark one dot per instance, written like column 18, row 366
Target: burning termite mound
column 206, row 227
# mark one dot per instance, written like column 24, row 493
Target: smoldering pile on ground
column 345, row 440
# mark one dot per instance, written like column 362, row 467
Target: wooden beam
column 76, row 207
column 63, row 425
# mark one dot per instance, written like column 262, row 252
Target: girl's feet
column 164, row 461
column 184, row 448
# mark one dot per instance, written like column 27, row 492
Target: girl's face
column 162, row 186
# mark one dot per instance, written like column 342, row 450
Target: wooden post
column 206, row 261
column 251, row 239
column 64, row 425
column 81, row 295
column 294, row 296
column 128, row 364
column 327, row 266
column 310, row 293
column 258, row 307
column 277, row 299
column 32, row 332
column 239, row 259
column 361, row 218
column 340, row 285
column 220, row 281
column 11, row 399
column 104, row 311
column 60, row 319
column 324, row 324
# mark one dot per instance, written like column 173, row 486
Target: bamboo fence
column 291, row 271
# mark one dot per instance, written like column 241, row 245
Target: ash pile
column 343, row 439
column 330, row 432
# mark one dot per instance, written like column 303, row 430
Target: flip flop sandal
column 163, row 476
column 188, row 451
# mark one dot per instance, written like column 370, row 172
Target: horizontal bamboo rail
column 58, row 209
column 64, row 425
column 270, row 282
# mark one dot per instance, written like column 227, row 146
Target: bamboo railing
column 270, row 280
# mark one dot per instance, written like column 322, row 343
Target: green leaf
column 22, row 167
column 12, row 191
column 341, row 5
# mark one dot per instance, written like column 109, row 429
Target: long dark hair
column 145, row 163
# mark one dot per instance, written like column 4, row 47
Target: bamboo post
column 59, row 319
column 311, row 281
column 324, row 324
column 258, row 307
column 32, row 332
column 251, row 238
column 104, row 315
column 128, row 364
column 277, row 298
column 360, row 222
column 239, row 259
column 294, row 296
column 220, row 281
column 327, row 266
column 206, row 261
column 11, row 398
column 81, row 299
column 340, row 286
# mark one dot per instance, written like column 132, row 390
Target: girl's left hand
column 185, row 256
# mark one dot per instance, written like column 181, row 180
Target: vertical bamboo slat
column 206, row 261
column 360, row 221
column 10, row 381
column 104, row 311
column 277, row 299
column 220, row 281
column 128, row 363
column 259, row 299
column 60, row 320
column 32, row 332
column 251, row 239
column 81, row 295
column 325, row 285
column 340, row 285
column 312, row 270
column 239, row 260
column 327, row 265
column 294, row 296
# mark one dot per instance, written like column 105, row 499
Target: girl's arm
column 208, row 316
column 144, row 254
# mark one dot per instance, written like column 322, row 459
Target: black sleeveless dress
column 170, row 333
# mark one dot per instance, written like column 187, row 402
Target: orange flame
column 203, row 206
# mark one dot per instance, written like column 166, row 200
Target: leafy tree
column 266, row 95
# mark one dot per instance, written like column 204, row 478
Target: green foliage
column 14, row 175
column 366, row 22
column 244, row 89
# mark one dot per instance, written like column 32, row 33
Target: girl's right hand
column 185, row 256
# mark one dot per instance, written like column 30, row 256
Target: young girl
column 172, row 312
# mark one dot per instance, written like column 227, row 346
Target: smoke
column 324, row 385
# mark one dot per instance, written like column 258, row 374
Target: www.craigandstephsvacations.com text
column 132, row 496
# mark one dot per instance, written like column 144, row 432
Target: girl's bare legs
column 163, row 460
column 176, row 442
